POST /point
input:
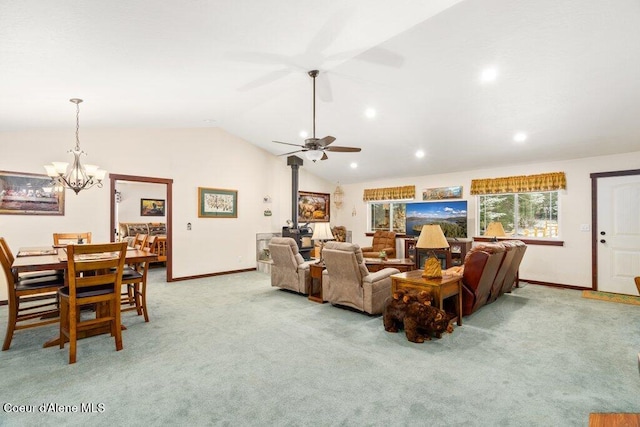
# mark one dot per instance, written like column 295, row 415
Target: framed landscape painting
column 313, row 207
column 152, row 207
column 217, row 203
column 29, row 194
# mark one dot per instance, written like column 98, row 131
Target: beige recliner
column 346, row 280
column 289, row 269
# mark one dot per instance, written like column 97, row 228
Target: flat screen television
column 451, row 215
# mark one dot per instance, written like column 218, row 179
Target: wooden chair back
column 39, row 292
column 71, row 238
column 94, row 278
column 140, row 241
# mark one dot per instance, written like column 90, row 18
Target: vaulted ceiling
column 566, row 74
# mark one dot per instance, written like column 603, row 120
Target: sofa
column 489, row 270
column 127, row 230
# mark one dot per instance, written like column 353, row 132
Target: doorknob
column 603, row 241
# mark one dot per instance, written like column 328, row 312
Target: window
column 387, row 216
column 521, row 214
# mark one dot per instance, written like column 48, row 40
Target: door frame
column 594, row 218
column 169, row 184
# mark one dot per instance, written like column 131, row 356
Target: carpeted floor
column 233, row 351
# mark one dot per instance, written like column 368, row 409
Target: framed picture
column 217, row 203
column 313, row 207
column 442, row 193
column 29, row 194
column 152, row 207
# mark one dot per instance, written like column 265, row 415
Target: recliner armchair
column 289, row 269
column 346, row 280
column 382, row 241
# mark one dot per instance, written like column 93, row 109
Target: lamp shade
column 322, row 231
column 314, row 154
column 432, row 237
column 495, row 229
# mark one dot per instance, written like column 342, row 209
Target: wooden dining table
column 55, row 258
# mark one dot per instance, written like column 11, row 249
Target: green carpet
column 233, row 351
column 608, row 296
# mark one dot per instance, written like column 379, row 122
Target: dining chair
column 134, row 297
column 71, row 238
column 30, row 274
column 139, row 241
column 94, row 278
column 32, row 301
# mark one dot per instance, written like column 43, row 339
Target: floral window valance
column 390, row 193
column 520, row 184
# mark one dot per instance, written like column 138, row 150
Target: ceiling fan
column 314, row 148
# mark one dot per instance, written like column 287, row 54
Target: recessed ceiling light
column 303, row 134
column 353, row 165
column 419, row 154
column 520, row 137
column 209, row 120
column 489, row 75
column 370, row 113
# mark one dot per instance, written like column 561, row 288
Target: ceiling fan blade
column 324, row 156
column 264, row 80
column 286, row 143
column 326, row 141
column 293, row 152
column 324, row 88
column 344, row 149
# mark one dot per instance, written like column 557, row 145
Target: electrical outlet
column 239, row 259
column 188, row 226
column 585, row 227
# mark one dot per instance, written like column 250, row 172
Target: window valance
column 390, row 193
column 520, row 184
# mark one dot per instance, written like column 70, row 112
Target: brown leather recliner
column 382, row 241
column 511, row 277
column 481, row 266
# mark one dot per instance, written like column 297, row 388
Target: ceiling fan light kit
column 315, row 149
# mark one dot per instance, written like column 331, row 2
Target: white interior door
column 618, row 234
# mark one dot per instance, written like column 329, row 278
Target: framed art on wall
column 442, row 193
column 313, row 207
column 29, row 194
column 217, row 203
column 152, row 207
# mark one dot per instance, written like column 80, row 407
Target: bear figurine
column 395, row 310
column 422, row 319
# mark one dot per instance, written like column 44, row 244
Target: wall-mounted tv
column 452, row 217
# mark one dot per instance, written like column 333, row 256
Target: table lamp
column 495, row 229
column 432, row 237
column 322, row 232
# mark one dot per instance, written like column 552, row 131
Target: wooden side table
column 315, row 285
column 439, row 288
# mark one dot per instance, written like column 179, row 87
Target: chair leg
column 115, row 311
column 73, row 331
column 64, row 322
column 143, row 297
column 11, row 323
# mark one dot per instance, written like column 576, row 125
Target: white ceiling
column 568, row 75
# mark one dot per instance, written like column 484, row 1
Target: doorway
column 616, row 231
column 168, row 183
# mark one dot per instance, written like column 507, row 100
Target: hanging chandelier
column 79, row 177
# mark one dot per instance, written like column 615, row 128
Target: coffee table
column 402, row 264
column 440, row 288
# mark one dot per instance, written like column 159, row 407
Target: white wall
column 206, row 157
column 128, row 210
column 567, row 265
column 210, row 157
